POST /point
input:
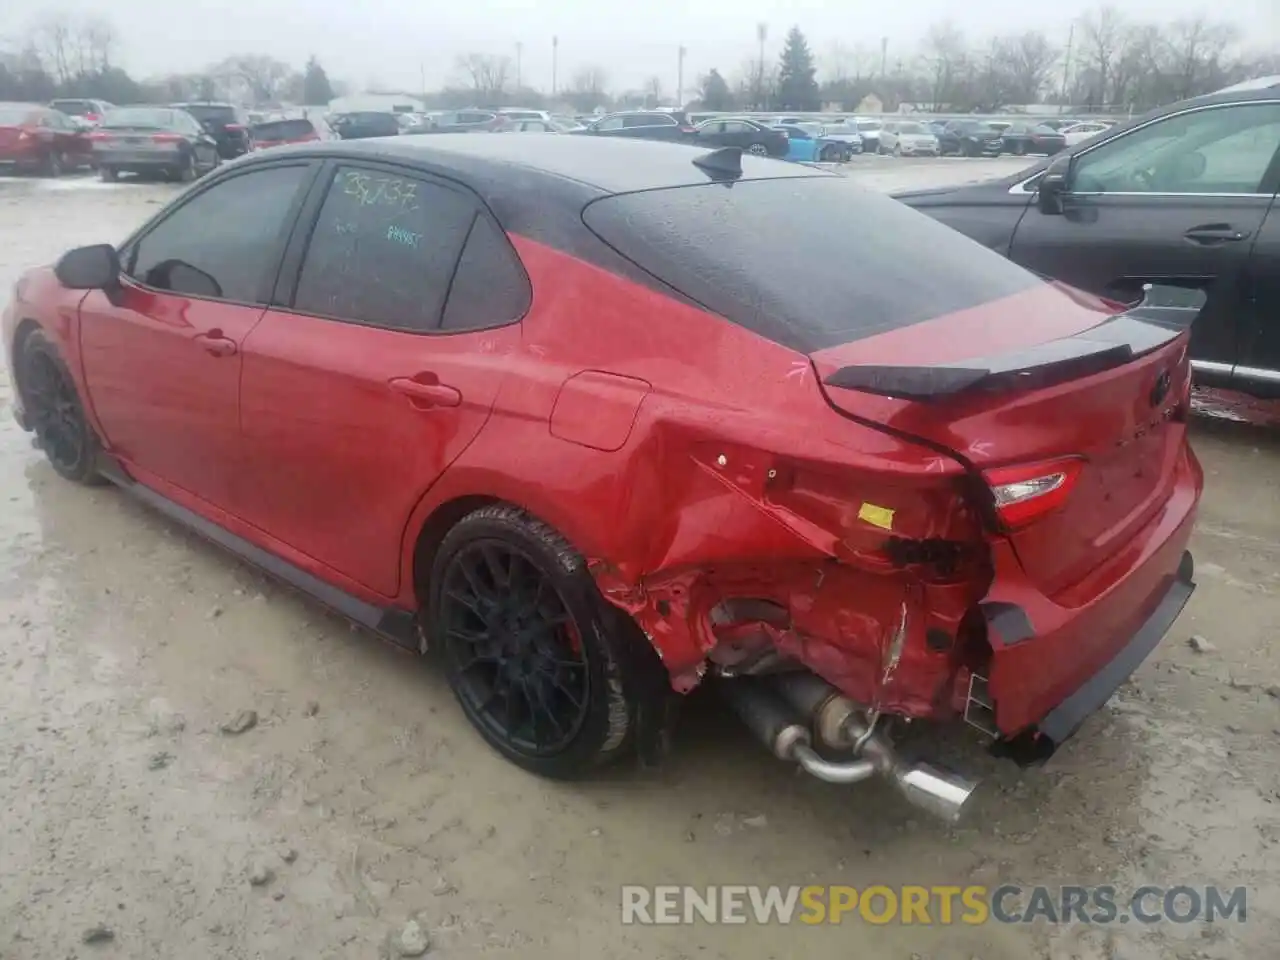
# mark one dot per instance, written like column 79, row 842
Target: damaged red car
column 598, row 421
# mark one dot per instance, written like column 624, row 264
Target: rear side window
column 383, row 250
column 221, row 243
column 778, row 257
column 490, row 287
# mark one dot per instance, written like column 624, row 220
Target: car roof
column 604, row 165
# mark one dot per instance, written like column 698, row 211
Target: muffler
column 770, row 708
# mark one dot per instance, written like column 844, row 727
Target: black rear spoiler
column 1110, row 344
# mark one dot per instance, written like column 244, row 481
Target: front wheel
column 108, row 174
column 530, row 647
column 829, row 154
column 53, row 164
column 1019, row 149
column 897, row 150
column 185, row 172
column 758, row 150
column 52, row 407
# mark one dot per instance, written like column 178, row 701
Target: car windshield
column 911, row 128
column 12, row 116
column 812, row 129
column 219, row 113
column 1043, row 128
column 141, row 117
column 777, row 257
column 283, row 130
column 868, row 125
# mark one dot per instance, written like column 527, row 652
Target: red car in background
column 278, row 133
column 600, row 420
column 41, row 139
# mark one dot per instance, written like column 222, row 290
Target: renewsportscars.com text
column 943, row 905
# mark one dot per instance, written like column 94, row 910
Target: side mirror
column 89, row 268
column 1054, row 185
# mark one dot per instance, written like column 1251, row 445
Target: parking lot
column 360, row 798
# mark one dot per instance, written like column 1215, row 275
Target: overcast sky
column 397, row 41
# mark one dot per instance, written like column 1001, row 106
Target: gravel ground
column 359, row 799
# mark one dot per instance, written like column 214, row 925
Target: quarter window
column 383, row 250
column 1220, row 150
column 490, row 287
column 221, row 243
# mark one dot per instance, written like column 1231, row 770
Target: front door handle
column 426, row 390
column 1211, row 234
column 216, row 344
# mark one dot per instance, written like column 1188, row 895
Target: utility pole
column 1066, row 65
column 519, row 58
column 555, row 49
column 762, row 33
column 422, row 82
column 884, row 56
column 680, row 52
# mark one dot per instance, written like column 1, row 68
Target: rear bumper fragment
column 1064, row 719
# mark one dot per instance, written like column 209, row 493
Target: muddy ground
column 362, row 798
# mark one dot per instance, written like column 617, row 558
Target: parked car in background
column 323, row 362
column 512, row 114
column 936, row 127
column 153, row 140
column 465, row 121
column 844, row 133
column 90, row 111
column 277, row 133
column 638, row 124
column 1023, row 138
column 363, row 124
column 806, row 143
column 1080, row 132
column 970, row 138
column 1181, row 198
column 908, row 138
column 538, row 126
column 225, row 122
column 869, row 130
column 41, row 139
column 750, row 136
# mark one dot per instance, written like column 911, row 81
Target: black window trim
column 290, row 267
column 128, row 249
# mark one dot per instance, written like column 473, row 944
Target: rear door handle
column 423, row 392
column 1214, row 233
column 216, row 344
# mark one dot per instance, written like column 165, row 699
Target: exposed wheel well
column 437, row 525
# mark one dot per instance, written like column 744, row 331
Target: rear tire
column 108, row 174
column 1019, row 149
column 185, row 172
column 529, row 645
column 829, row 154
column 53, row 408
column 52, row 164
column 897, row 150
column 758, row 150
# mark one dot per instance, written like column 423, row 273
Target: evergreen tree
column 716, row 94
column 316, row 90
column 797, row 86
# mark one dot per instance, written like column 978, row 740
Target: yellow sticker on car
column 881, row 517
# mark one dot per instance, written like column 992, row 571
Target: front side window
column 221, row 243
column 1221, row 150
column 383, row 250
column 610, row 123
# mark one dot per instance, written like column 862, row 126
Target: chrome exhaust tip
column 941, row 793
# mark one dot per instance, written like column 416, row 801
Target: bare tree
column 1103, row 35
column 99, row 40
column 487, row 74
column 256, row 75
column 1025, row 62
column 55, row 41
column 653, row 92
column 945, row 58
column 588, row 88
column 1197, row 47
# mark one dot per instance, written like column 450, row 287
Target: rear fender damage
column 772, row 563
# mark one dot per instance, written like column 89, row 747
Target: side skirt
column 394, row 625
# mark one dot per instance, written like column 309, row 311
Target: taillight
column 167, row 138
column 1026, row 492
column 99, row 135
column 92, row 117
column 233, row 128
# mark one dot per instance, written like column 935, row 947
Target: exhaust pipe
column 770, row 713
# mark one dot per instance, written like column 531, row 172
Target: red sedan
column 41, row 139
column 599, row 420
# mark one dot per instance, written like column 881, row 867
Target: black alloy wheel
column 53, row 409
column 758, row 150
column 529, row 646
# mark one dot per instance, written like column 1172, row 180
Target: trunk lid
column 1034, row 379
